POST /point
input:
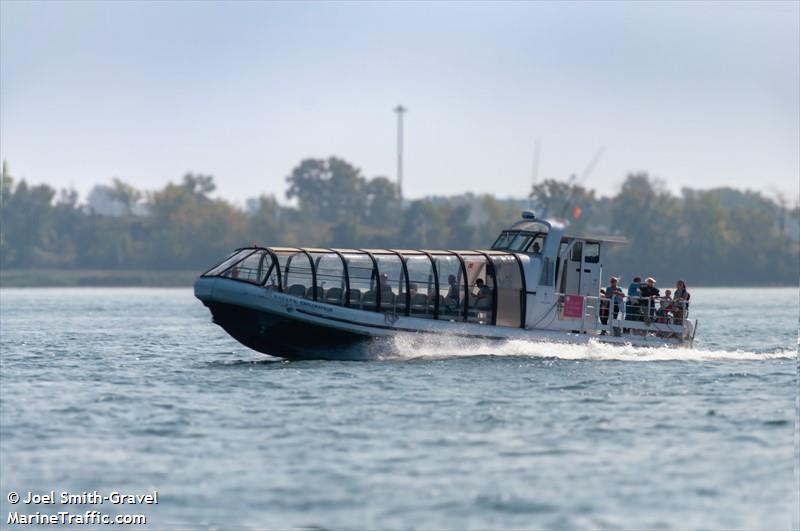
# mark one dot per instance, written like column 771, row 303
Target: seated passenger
column 483, row 299
column 451, row 299
column 665, row 307
column 535, row 248
column 680, row 303
column 384, row 283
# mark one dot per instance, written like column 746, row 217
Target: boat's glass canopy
column 475, row 286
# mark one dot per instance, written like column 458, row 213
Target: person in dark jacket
column 647, row 298
column 616, row 296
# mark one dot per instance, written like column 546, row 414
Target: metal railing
column 623, row 314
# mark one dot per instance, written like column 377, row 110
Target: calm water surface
column 134, row 390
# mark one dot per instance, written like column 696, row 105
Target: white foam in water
column 410, row 347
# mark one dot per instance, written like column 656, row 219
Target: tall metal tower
column 400, row 110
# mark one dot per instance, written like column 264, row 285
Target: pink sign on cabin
column 573, row 306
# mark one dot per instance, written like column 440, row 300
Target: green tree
column 331, row 190
column 382, row 203
column 126, row 195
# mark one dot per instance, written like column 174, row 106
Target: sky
column 697, row 94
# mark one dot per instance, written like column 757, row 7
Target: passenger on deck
column 632, row 308
column 680, row 304
column 483, row 300
column 665, row 307
column 647, row 298
column 603, row 309
column 617, row 298
column 535, row 248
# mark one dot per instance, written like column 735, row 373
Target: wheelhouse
column 484, row 287
column 524, row 237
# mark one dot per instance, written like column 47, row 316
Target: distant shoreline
column 163, row 278
column 94, row 278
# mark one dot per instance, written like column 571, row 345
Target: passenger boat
column 536, row 283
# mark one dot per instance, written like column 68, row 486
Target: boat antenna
column 537, row 148
column 592, row 164
column 400, row 110
column 575, row 180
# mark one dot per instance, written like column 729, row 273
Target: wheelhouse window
column 503, row 240
column 520, row 241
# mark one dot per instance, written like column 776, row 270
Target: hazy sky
column 698, row 94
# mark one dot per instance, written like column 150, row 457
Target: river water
column 135, row 390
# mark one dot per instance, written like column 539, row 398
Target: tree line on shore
column 720, row 236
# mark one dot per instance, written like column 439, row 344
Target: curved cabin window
column 331, row 285
column 392, row 282
column 253, row 268
column 232, row 258
column 451, row 287
column 298, row 277
column 480, row 288
column 422, row 285
column 362, row 281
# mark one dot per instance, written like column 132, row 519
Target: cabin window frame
column 435, row 284
column 376, row 279
column 514, row 234
column 490, row 270
column 346, row 273
column 297, row 251
column 230, row 256
column 407, row 282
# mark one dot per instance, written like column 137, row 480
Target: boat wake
column 443, row 348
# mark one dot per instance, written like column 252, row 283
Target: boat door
column 573, row 264
column 591, row 269
column 580, row 268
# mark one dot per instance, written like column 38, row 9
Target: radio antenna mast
column 400, row 110
column 537, row 148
